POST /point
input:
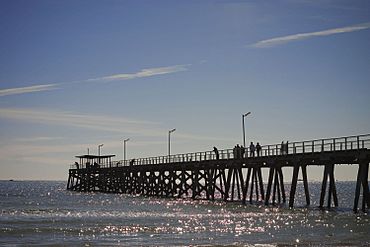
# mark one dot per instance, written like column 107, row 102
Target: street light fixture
column 169, row 142
column 99, row 146
column 124, row 149
column 243, row 116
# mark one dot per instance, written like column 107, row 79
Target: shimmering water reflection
column 45, row 213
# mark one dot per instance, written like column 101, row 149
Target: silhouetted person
column 242, row 151
column 96, row 165
column 132, row 162
column 238, row 151
column 77, row 165
column 258, row 149
column 235, row 152
column 216, row 153
column 252, row 148
column 282, row 148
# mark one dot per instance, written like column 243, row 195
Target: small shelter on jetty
column 90, row 161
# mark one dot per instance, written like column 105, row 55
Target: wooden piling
column 305, row 184
column 362, row 181
column 269, row 185
column 332, row 191
column 246, row 185
column 276, row 184
column 293, row 185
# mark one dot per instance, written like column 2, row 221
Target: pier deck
column 228, row 176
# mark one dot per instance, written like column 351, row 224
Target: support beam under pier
column 294, row 184
column 362, row 181
column 329, row 174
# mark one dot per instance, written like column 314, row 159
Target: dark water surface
column 44, row 213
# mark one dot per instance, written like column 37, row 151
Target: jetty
column 229, row 176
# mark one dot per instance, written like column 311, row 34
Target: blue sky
column 74, row 74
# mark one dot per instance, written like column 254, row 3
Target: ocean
column 44, row 213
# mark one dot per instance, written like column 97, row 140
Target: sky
column 76, row 73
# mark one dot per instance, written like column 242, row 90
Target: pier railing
column 301, row 147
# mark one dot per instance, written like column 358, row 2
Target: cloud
column 18, row 153
column 301, row 36
column 120, row 125
column 30, row 89
column 116, row 77
column 96, row 122
column 39, row 139
column 143, row 73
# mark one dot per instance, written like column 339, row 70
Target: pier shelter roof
column 95, row 161
column 91, row 156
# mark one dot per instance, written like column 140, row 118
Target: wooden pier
column 205, row 175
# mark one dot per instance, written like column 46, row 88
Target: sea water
column 45, row 213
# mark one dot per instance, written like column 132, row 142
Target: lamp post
column 243, row 116
column 124, row 149
column 169, row 142
column 99, row 146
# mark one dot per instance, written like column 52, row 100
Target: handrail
column 298, row 147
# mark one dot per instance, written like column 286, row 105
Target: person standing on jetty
column 282, row 148
column 242, row 151
column 258, row 149
column 252, row 148
column 216, row 153
column 236, row 151
column 132, row 162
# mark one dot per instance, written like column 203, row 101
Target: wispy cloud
column 39, row 139
column 143, row 73
column 96, row 122
column 120, row 125
column 30, row 89
column 40, row 154
column 115, row 77
column 301, row 36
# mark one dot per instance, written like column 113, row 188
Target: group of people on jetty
column 88, row 165
column 239, row 151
